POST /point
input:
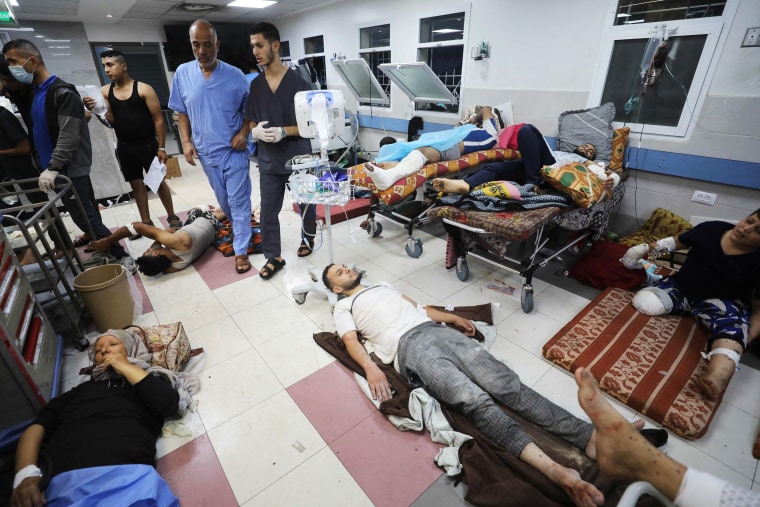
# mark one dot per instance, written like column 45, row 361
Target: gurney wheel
column 414, row 249
column 375, row 229
column 526, row 299
column 300, row 298
column 463, row 271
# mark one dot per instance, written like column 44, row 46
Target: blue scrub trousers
column 231, row 183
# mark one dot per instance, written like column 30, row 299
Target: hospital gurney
column 398, row 203
column 488, row 235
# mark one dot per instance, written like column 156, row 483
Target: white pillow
column 505, row 111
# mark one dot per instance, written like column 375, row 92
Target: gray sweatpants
column 460, row 373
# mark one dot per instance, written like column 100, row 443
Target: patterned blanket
column 223, row 242
column 493, row 197
column 404, row 187
column 648, row 363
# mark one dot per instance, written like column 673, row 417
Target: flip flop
column 242, row 264
column 266, row 272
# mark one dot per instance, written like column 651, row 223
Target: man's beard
column 355, row 282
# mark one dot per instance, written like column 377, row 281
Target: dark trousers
column 91, row 222
column 535, row 154
column 273, row 187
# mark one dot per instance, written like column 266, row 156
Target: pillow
column 588, row 126
column 500, row 189
column 619, row 140
column 579, row 182
column 505, row 113
column 662, row 224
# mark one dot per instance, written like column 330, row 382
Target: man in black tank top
column 135, row 115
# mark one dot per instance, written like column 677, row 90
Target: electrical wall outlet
column 704, row 197
column 751, row 37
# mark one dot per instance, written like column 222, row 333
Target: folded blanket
column 493, row 476
column 496, row 197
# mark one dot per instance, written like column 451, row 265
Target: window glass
column 655, row 11
column 284, row 49
column 664, row 96
column 442, row 28
column 313, row 45
column 446, row 63
column 375, row 37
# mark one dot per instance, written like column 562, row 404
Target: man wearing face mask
column 61, row 138
column 209, row 96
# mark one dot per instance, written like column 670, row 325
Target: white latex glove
column 277, row 132
column 633, row 255
column 261, row 133
column 47, row 180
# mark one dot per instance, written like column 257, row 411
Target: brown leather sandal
column 242, row 264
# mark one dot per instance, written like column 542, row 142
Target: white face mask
column 21, row 75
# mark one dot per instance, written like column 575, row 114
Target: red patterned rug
column 648, row 363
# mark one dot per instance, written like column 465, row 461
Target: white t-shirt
column 380, row 314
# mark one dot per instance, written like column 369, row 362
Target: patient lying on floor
column 172, row 250
column 456, row 370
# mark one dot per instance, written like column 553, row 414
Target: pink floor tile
column 215, row 269
column 195, row 475
column 332, row 401
column 393, row 467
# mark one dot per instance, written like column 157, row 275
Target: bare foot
column 756, row 447
column 584, row 494
column 450, row 186
column 621, row 450
column 591, row 445
column 709, row 387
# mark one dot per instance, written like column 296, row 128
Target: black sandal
column 305, row 249
column 174, row 221
column 268, row 272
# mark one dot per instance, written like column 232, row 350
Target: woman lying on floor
column 99, row 439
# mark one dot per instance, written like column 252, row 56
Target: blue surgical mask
column 21, row 75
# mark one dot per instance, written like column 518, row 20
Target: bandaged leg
column 652, row 301
column 731, row 354
column 413, row 162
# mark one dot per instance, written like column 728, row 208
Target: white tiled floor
column 258, row 342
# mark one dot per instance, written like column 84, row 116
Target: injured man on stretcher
column 398, row 160
column 457, row 371
column 172, row 250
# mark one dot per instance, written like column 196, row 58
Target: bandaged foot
column 723, row 363
column 652, row 301
column 384, row 179
column 633, row 255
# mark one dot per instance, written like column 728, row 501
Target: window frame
column 714, row 28
column 375, row 70
column 311, row 56
column 421, row 46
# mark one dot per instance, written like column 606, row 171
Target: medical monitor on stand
column 319, row 114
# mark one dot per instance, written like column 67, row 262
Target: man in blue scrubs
column 209, row 97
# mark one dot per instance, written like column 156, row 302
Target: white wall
column 544, row 56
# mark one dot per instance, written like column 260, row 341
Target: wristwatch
column 284, row 132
